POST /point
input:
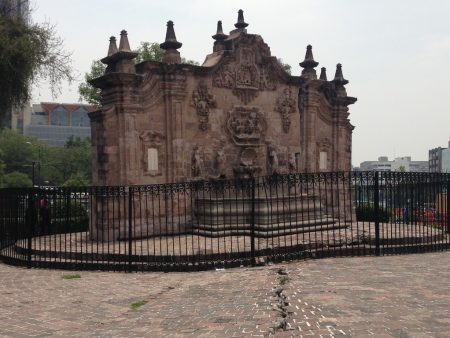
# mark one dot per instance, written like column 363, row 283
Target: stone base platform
column 268, row 215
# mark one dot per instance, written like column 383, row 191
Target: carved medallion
column 285, row 106
column 246, row 125
column 203, row 101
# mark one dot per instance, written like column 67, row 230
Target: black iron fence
column 206, row 224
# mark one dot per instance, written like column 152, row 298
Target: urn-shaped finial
column 112, row 46
column 171, row 40
column 323, row 74
column 240, row 23
column 219, row 34
column 339, row 77
column 124, row 45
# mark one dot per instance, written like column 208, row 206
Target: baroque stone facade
column 238, row 114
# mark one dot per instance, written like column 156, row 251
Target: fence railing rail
column 205, row 224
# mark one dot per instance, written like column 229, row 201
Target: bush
column 68, row 209
column 67, row 216
column 366, row 213
column 16, row 180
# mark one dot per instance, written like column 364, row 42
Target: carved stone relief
column 246, row 125
column 244, row 76
column 248, row 164
column 203, row 101
column 292, row 163
column 267, row 78
column 272, row 159
column 285, row 106
column 220, row 165
column 197, row 163
column 224, row 78
column 324, row 144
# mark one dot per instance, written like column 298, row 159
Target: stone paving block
column 395, row 296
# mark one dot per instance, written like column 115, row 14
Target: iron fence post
column 29, row 225
column 130, row 220
column 448, row 205
column 252, row 222
column 377, row 213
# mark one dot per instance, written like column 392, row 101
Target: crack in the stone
column 280, row 303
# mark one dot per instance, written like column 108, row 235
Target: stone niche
column 239, row 114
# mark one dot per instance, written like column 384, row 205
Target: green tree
column 87, row 92
column 285, row 66
column 29, row 53
column 189, row 62
column 77, row 180
column 2, row 168
column 52, row 165
column 16, row 180
column 148, row 51
column 59, row 164
column 18, row 151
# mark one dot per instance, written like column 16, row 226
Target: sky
column 395, row 53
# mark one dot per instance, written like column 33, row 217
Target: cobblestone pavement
column 393, row 296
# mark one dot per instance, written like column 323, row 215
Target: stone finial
column 339, row 77
column 112, row 46
column 308, row 64
column 309, row 59
column 240, row 23
column 119, row 60
column 171, row 40
column 219, row 34
column 323, row 74
column 124, row 45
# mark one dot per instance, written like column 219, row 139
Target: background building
column 54, row 123
column 439, row 160
column 398, row 164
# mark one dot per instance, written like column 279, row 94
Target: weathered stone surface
column 239, row 102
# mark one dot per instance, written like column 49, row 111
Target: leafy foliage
column 53, row 166
column 16, row 180
column 148, row 51
column 29, row 53
column 17, row 151
column 87, row 92
column 138, row 304
column 286, row 67
column 68, row 209
column 78, row 179
column 189, row 62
